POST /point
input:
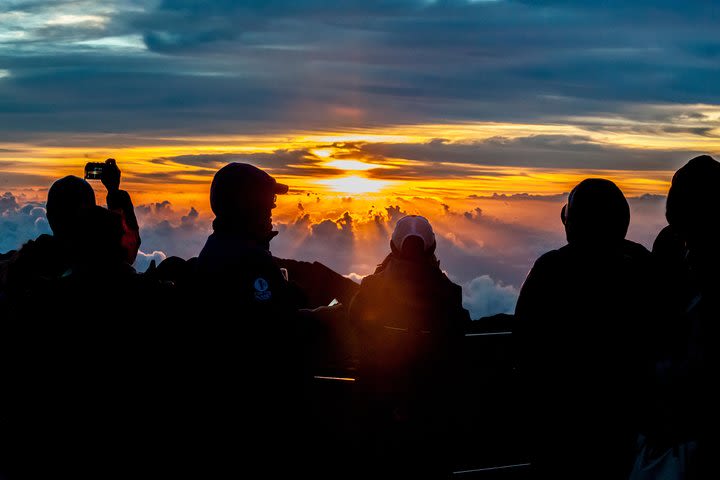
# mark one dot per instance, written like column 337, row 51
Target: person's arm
column 119, row 201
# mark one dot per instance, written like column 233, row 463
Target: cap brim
column 280, row 188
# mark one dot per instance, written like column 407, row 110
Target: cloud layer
column 487, row 245
column 146, row 66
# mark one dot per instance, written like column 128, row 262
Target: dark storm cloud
column 551, row 151
column 276, row 159
column 504, row 197
column 19, row 180
column 279, row 162
column 222, row 66
column 175, row 177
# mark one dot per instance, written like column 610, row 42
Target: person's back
column 407, row 315
column 580, row 317
column 410, row 322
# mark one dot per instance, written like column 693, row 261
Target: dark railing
column 490, row 437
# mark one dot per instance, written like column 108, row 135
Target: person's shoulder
column 636, row 251
column 554, row 264
column 448, row 284
column 372, row 280
column 554, row 257
column 43, row 253
column 43, row 243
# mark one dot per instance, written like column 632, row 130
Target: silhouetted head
column 669, row 246
column 242, row 197
column 693, row 204
column 97, row 238
column 596, row 213
column 413, row 238
column 65, row 197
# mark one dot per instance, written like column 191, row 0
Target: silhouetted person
column 80, row 363
column 581, row 317
column 47, row 257
column 410, row 321
column 247, row 381
column 693, row 212
column 242, row 197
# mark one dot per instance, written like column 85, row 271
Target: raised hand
column 111, row 175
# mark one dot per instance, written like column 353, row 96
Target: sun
column 354, row 184
column 322, row 152
column 351, row 165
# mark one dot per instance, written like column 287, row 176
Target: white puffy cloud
column 355, row 277
column 8, row 202
column 20, row 222
column 143, row 260
column 483, row 296
column 165, row 230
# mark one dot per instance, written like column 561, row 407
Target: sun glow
column 322, row 152
column 352, row 165
column 354, row 184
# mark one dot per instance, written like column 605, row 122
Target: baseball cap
column 240, row 186
column 413, row 226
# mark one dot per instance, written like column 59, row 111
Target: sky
column 479, row 114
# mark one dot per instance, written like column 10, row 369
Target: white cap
column 413, row 226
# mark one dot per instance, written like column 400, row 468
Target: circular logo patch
column 261, row 284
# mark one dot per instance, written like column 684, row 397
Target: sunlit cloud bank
column 487, row 244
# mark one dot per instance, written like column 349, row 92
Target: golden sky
column 405, row 161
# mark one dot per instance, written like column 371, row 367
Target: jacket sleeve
column 119, row 202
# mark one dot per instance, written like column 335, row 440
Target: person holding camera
column 48, row 257
column 78, row 339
